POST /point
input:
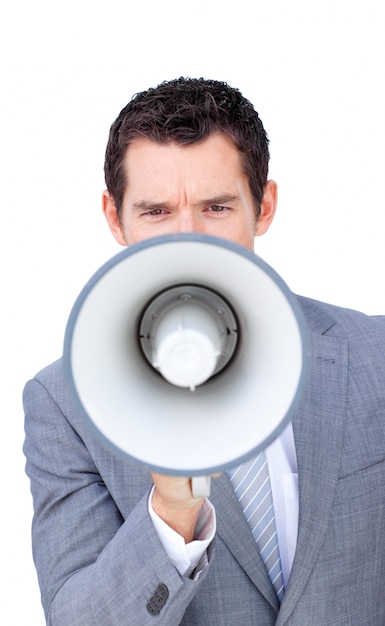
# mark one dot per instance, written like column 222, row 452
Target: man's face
column 182, row 189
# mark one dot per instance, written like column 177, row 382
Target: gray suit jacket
column 100, row 562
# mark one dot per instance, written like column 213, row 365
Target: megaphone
column 186, row 354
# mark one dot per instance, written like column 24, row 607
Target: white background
column 315, row 72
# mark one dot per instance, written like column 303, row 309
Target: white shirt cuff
column 191, row 556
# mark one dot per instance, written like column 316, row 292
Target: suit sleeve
column 95, row 567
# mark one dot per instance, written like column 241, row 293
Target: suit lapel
column 235, row 533
column 318, row 432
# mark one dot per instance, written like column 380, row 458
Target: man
column 113, row 545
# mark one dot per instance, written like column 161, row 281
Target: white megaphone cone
column 186, row 354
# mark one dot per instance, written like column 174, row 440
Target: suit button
column 158, row 599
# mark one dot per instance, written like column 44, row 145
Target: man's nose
column 188, row 222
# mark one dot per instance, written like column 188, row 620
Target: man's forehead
column 205, row 158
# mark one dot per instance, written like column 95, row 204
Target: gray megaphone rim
column 169, row 239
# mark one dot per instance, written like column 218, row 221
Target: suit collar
column 317, row 314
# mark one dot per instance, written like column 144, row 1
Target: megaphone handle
column 200, row 486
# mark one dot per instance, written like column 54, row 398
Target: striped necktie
column 251, row 484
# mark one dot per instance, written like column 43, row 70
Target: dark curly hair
column 186, row 111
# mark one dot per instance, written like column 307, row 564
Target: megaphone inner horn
column 189, row 333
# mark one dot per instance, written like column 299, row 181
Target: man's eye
column 217, row 208
column 155, row 212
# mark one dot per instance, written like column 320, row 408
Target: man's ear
column 111, row 215
column 268, row 207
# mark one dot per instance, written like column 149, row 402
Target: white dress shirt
column 282, row 462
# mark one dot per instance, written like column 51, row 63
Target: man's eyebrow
column 223, row 198
column 149, row 205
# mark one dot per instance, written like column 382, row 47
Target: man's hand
column 174, row 503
